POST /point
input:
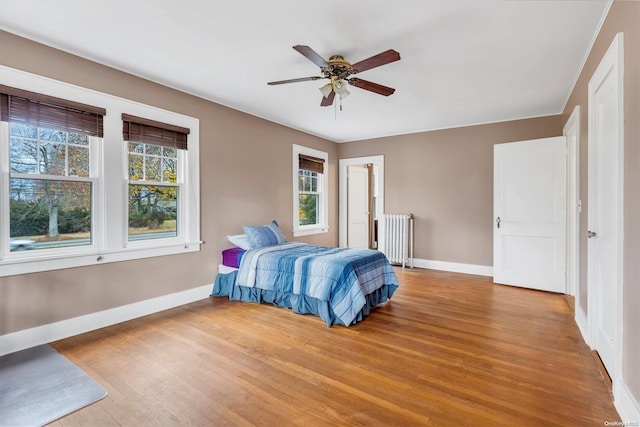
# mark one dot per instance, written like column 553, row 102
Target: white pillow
column 241, row 241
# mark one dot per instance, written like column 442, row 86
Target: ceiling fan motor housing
column 338, row 67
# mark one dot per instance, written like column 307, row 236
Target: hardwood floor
column 448, row 350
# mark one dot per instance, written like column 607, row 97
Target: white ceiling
column 463, row 62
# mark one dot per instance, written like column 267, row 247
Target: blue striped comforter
column 341, row 276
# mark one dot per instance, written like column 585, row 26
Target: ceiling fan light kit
column 338, row 71
column 326, row 90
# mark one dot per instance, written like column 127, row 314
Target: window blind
column 310, row 163
column 22, row 106
column 138, row 129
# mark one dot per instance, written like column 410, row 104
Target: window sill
column 309, row 231
column 49, row 262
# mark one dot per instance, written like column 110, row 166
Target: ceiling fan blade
column 311, row 55
column 328, row 100
column 370, row 86
column 376, row 61
column 301, row 79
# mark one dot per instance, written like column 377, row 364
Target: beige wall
column 245, row 167
column 445, row 178
column 623, row 17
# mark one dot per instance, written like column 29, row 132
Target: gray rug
column 39, row 385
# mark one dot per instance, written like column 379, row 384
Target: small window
column 310, row 191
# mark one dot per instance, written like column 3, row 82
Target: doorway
column 374, row 166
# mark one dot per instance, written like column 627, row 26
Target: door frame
column 571, row 131
column 343, row 198
column 612, row 62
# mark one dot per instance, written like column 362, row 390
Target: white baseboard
column 628, row 408
column 581, row 321
column 27, row 338
column 454, row 267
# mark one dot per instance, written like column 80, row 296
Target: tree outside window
column 50, row 189
column 309, row 197
column 153, row 191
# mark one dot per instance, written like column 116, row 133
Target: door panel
column 530, row 214
column 604, row 216
column 358, row 207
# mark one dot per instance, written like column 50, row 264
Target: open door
column 358, row 231
column 374, row 167
column 529, row 239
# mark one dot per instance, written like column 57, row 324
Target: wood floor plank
column 448, row 350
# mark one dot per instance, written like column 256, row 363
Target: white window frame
column 323, row 226
column 109, row 170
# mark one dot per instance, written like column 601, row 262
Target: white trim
column 27, row 338
column 323, row 227
column 627, row 407
column 582, row 322
column 454, row 267
column 343, row 193
column 571, row 131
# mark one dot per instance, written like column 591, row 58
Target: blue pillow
column 273, row 226
column 265, row 235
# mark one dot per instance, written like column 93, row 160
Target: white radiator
column 398, row 238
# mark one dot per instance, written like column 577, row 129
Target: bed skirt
column 225, row 286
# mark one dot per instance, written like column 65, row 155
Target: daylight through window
column 50, row 177
column 81, row 185
column 310, row 191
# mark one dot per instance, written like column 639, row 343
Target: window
column 155, row 159
column 49, row 173
column 81, row 184
column 310, row 191
column 50, row 188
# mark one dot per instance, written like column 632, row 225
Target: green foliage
column 31, row 218
column 75, row 220
column 150, row 219
column 27, row 218
column 308, row 208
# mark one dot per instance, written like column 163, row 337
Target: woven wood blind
column 310, row 163
column 21, row 106
column 138, row 129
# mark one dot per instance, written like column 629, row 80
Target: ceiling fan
column 338, row 70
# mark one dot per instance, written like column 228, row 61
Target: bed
column 340, row 285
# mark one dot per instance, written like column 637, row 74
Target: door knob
column 591, row 234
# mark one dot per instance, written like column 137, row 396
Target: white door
column 358, row 207
column 529, row 239
column 605, row 208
